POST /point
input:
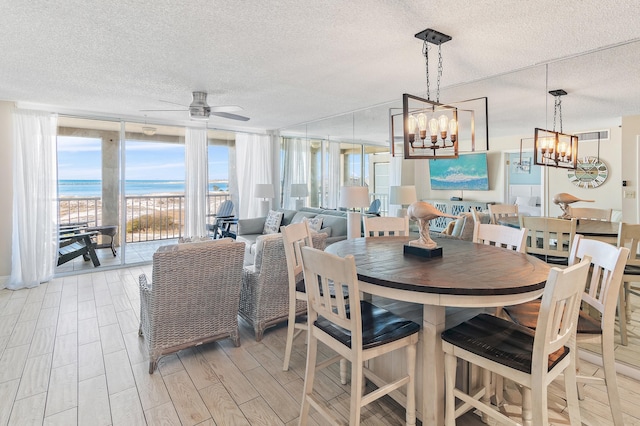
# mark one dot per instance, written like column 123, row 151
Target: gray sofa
column 334, row 224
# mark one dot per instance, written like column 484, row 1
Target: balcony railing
column 148, row 217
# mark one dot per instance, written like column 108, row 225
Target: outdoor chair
column 193, row 296
column 222, row 221
column 374, row 207
column 75, row 242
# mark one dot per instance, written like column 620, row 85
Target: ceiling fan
column 199, row 109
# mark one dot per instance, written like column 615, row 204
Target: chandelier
column 433, row 129
column 555, row 149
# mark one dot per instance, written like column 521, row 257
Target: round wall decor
column 590, row 173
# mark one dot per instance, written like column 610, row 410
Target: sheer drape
column 196, row 182
column 333, row 175
column 395, row 179
column 297, row 157
column 35, row 214
column 254, row 159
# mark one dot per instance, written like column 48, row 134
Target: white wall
column 6, row 188
column 630, row 173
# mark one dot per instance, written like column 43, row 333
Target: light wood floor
column 70, row 354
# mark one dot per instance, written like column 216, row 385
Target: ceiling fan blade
column 164, row 110
column 174, row 103
column 230, row 116
column 226, row 108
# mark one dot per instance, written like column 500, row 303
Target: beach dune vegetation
column 147, row 222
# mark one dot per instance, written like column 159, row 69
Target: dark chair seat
column 379, row 327
column 500, row 341
column 631, row 270
column 552, row 259
column 526, row 314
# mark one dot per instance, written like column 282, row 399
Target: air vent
column 594, row 135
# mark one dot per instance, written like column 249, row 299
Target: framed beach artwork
column 468, row 172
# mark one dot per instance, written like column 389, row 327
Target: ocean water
column 93, row 188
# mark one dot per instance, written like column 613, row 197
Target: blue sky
column 81, row 158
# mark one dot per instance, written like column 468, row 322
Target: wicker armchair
column 264, row 299
column 193, row 298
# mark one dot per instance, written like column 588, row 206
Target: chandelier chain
column 439, row 72
column 557, row 111
column 425, row 52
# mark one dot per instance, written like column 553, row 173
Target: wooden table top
column 586, row 227
column 465, row 268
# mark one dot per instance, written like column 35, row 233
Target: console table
column 455, row 208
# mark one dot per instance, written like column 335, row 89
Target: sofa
column 334, row 225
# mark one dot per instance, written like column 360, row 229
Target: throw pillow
column 272, row 224
column 315, row 223
column 326, row 230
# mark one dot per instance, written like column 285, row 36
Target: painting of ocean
column 467, row 172
column 93, row 188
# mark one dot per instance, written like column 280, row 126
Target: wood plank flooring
column 70, row 354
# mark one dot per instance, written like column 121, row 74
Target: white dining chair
column 358, row 331
column 601, row 296
column 590, row 213
column 498, row 211
column 533, row 360
column 385, row 226
column 629, row 237
column 500, row 236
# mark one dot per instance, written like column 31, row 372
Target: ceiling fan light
column 149, row 131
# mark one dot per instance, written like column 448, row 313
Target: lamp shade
column 353, row 197
column 299, row 190
column 263, row 190
column 400, row 195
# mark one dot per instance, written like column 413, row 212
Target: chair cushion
column 632, row 270
column 379, row 327
column 554, row 260
column 272, row 223
column 500, row 341
column 526, row 314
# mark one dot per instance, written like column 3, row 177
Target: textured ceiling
column 294, row 61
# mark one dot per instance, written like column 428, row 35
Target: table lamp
column 300, row 191
column 353, row 197
column 402, row 196
column 264, row 191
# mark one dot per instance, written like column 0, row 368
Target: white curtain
column 333, row 176
column 196, row 182
column 35, row 214
column 254, row 159
column 297, row 157
column 395, row 179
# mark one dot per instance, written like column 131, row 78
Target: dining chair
column 385, row 226
column 549, row 239
column 294, row 237
column 531, row 359
column 357, row 331
column 498, row 211
column 596, row 323
column 629, row 236
column 590, row 213
column 500, row 236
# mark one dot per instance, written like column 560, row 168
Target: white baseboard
column 4, row 279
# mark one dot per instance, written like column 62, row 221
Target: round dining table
column 467, row 275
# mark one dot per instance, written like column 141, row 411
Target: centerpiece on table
column 423, row 212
